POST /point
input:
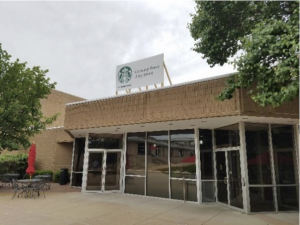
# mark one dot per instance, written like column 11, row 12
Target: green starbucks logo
column 125, row 74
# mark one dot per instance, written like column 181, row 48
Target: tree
column 263, row 39
column 21, row 89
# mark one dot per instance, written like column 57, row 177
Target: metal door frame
column 104, row 151
column 226, row 150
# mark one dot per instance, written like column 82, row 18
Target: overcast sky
column 81, row 43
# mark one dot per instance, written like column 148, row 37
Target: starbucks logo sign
column 125, row 74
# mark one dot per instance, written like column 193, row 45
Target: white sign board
column 140, row 73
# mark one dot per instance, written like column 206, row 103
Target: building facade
column 54, row 145
column 181, row 143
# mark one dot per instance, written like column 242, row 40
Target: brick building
column 179, row 142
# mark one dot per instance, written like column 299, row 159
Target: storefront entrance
column 103, row 172
column 229, row 180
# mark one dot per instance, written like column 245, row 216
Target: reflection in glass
column 180, row 187
column 135, row 154
column 78, row 157
column 105, row 141
column 208, row 191
column 287, row 198
column 206, row 155
column 183, row 159
column 221, row 177
column 94, row 173
column 235, row 179
column 78, row 154
column 258, row 156
column 112, row 176
column 157, row 163
column 135, row 185
column 76, row 179
column 227, row 136
column 284, row 154
column 261, row 199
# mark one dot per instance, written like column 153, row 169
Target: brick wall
column 184, row 102
column 286, row 110
column 197, row 100
column 55, row 103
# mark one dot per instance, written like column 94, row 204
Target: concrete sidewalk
column 77, row 208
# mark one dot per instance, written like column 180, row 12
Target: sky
column 81, row 43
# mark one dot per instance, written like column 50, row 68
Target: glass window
column 78, row 154
column 206, row 155
column 135, row 154
column 157, row 164
column 105, row 141
column 261, row 199
column 287, row 198
column 258, row 154
column 183, row 159
column 135, row 185
column 78, row 158
column 76, row 179
column 284, row 154
column 180, row 187
column 282, row 137
column 227, row 136
column 208, row 191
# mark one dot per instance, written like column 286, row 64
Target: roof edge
column 163, row 88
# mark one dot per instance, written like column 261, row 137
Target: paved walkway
column 77, row 208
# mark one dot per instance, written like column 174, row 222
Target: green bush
column 41, row 172
column 56, row 176
column 13, row 164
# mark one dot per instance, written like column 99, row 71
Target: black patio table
column 46, row 178
column 27, row 187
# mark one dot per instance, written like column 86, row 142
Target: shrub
column 43, row 172
column 56, row 176
column 13, row 164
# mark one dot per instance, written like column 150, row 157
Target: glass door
column 235, row 179
column 229, row 180
column 103, row 173
column 112, row 171
column 222, row 177
column 95, row 171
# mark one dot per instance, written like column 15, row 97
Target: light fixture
column 170, row 124
column 142, row 126
column 118, row 128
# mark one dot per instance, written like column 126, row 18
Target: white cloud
column 81, row 43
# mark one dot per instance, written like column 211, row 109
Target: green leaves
column 267, row 33
column 21, row 89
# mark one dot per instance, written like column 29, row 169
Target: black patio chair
column 38, row 187
column 47, row 179
column 17, row 188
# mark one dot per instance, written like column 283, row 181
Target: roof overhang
column 204, row 123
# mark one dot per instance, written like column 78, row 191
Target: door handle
column 225, row 180
column 244, row 183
